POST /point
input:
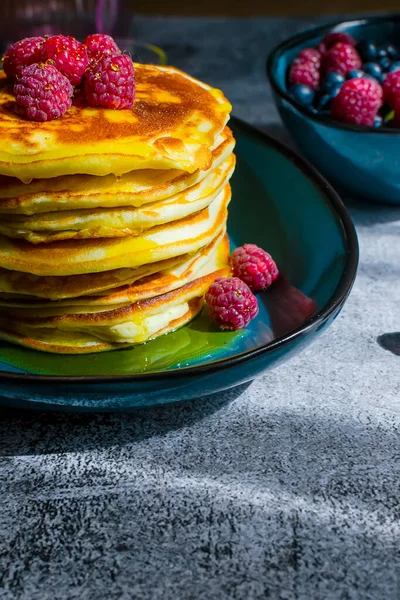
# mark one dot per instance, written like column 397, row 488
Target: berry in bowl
column 337, row 88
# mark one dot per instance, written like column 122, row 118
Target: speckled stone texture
column 286, row 489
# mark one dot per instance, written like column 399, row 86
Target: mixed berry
column 99, row 45
column 45, row 70
column 110, row 82
column 68, row 55
column 349, row 81
column 254, row 266
column 230, row 300
column 42, row 93
column 231, row 303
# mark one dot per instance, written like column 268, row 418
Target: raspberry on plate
column 110, row 82
column 254, row 266
column 358, row 102
column 42, row 93
column 304, row 72
column 231, row 304
column 99, row 45
column 22, row 54
column 391, row 88
column 341, row 58
column 68, row 55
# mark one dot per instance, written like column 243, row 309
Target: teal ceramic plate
column 280, row 203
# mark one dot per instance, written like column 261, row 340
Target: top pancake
column 174, row 124
column 133, row 189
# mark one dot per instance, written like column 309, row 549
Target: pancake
column 15, row 286
column 90, row 329
column 122, row 222
column 65, row 342
column 74, row 257
column 174, row 124
column 133, row 189
column 168, row 277
column 113, row 223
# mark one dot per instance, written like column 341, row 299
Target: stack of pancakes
column 113, row 223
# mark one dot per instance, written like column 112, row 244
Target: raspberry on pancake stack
column 114, row 188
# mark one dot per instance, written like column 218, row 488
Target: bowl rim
column 276, row 53
column 339, row 296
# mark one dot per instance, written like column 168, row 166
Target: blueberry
column 395, row 66
column 381, row 52
column 325, row 100
column 355, row 74
column 303, row 94
column 374, row 70
column 385, row 63
column 332, row 80
column 367, row 50
column 335, row 91
column 378, row 121
column 392, row 52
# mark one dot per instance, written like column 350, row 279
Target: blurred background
column 22, row 18
column 259, row 7
column 119, row 10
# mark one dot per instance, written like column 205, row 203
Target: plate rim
column 337, row 299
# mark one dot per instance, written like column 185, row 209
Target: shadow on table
column 25, row 432
column 390, row 342
column 269, row 495
column 366, row 213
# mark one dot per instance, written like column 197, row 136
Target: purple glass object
column 24, row 18
column 106, row 15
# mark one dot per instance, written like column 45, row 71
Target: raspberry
column 358, row 101
column 42, row 93
column 396, row 119
column 310, row 55
column 68, row 55
column 391, row 88
column 335, row 38
column 341, row 58
column 254, row 266
column 231, row 304
column 304, row 72
column 99, row 45
column 21, row 54
column 111, row 82
column 287, row 306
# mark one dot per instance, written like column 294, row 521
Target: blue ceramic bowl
column 362, row 160
column 311, row 237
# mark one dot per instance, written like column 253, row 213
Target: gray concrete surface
column 287, row 489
